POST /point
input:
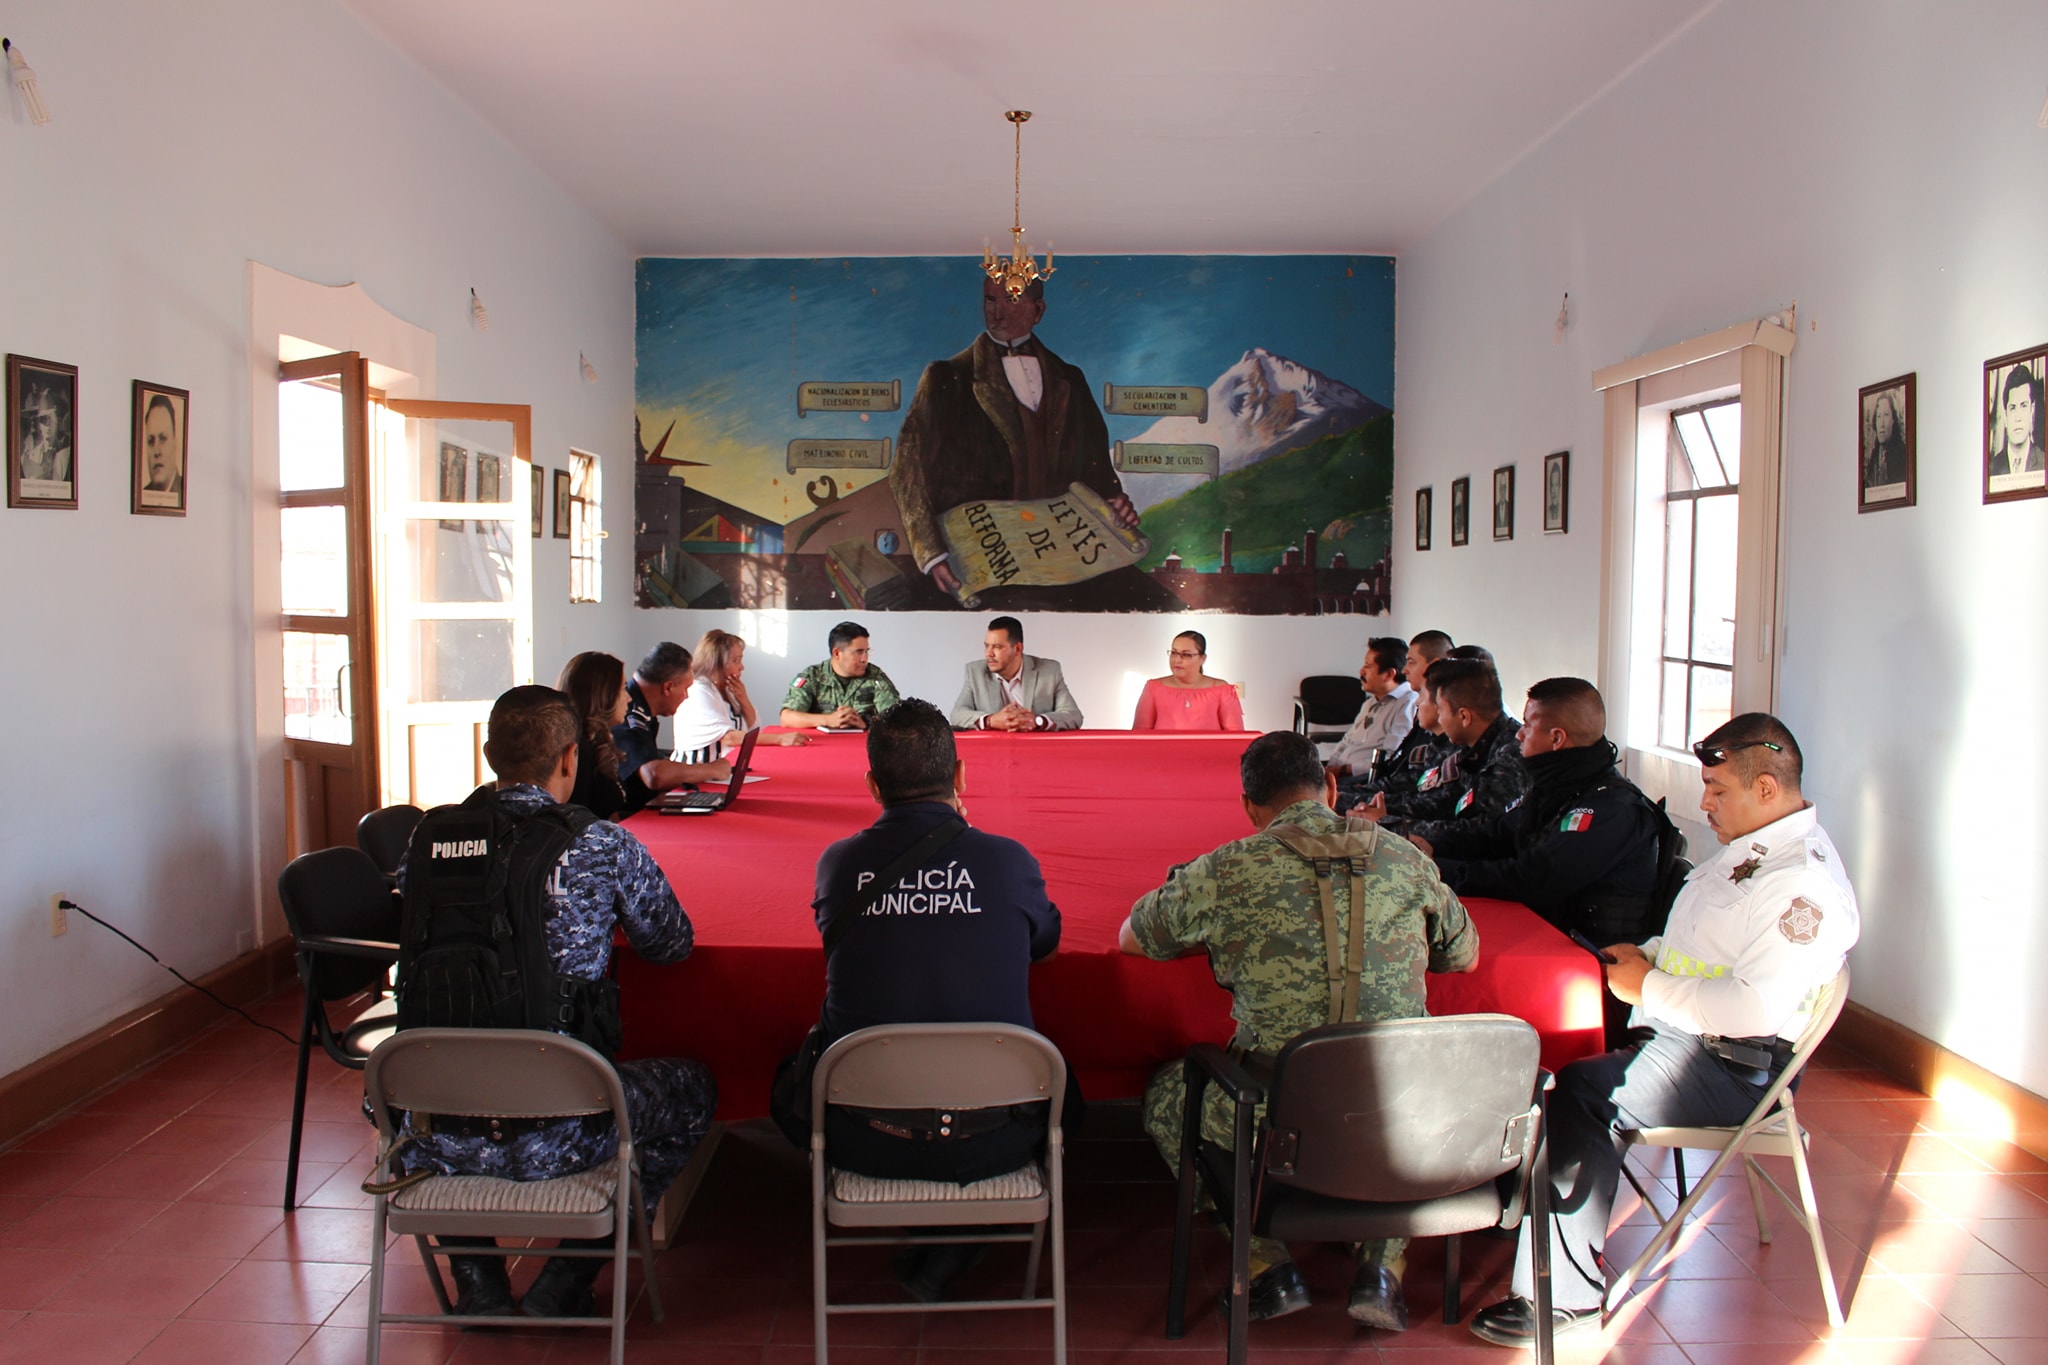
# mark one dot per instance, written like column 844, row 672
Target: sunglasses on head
column 1714, row 755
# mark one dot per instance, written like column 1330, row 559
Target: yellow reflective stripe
column 1678, row 964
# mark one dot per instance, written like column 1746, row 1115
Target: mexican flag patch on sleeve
column 1575, row 821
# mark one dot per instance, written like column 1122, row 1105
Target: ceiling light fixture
column 1020, row 270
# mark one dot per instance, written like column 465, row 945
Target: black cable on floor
column 74, row 905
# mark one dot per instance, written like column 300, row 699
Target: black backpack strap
column 914, row 857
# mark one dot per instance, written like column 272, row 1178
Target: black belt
column 1756, row 1060
column 476, row 1125
column 932, row 1125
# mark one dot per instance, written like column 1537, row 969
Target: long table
column 1107, row 813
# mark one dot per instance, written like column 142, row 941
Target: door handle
column 341, row 697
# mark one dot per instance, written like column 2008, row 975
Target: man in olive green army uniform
column 1256, row 907
column 845, row 692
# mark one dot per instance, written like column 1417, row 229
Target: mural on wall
column 1154, row 433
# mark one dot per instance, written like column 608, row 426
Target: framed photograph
column 561, row 504
column 1557, row 493
column 158, row 442
column 1504, row 503
column 2013, row 465
column 1425, row 516
column 1461, row 511
column 540, row 498
column 42, row 433
column 1887, row 473
column 454, row 479
column 490, row 482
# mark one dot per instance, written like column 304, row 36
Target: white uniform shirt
column 1757, row 929
column 702, row 722
column 1383, row 722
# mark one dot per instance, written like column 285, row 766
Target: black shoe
column 926, row 1271
column 482, row 1288
column 1377, row 1300
column 1280, row 1290
column 562, row 1289
column 1512, row 1322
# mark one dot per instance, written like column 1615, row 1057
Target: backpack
column 473, row 949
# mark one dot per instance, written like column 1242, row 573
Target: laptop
column 705, row 802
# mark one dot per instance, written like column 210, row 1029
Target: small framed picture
column 454, row 479
column 1886, row 462
column 561, row 504
column 1425, row 516
column 159, row 441
column 42, row 433
column 2013, row 464
column 1504, row 503
column 540, row 499
column 490, row 483
column 1461, row 511
column 1557, row 493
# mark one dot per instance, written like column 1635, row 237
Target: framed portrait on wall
column 2013, row 463
column 1461, row 511
column 158, row 443
column 1425, row 515
column 561, row 504
column 1886, row 460
column 1504, row 503
column 42, row 433
column 540, row 498
column 490, row 482
column 1557, row 493
column 454, row 479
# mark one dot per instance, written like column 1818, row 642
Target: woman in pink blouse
column 1187, row 698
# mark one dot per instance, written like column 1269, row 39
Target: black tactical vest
column 473, row 949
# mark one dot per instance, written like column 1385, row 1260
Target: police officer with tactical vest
column 1259, row 907
column 511, row 900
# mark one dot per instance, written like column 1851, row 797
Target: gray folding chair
column 510, row 1074
column 1772, row 1129
column 940, row 1066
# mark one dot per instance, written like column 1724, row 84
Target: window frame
column 586, row 527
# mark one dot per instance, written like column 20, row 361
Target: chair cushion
column 1027, row 1182
column 584, row 1192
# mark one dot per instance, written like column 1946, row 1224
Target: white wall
column 188, row 140
column 1886, row 173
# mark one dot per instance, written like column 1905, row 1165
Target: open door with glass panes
column 453, row 570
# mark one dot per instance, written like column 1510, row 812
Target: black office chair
column 1408, row 1128
column 344, row 918
column 1326, row 705
column 385, row 834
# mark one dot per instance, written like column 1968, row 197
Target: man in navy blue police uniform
column 951, row 942
column 657, row 689
column 605, row 880
column 1482, row 776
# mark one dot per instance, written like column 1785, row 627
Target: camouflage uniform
column 1254, row 905
column 606, row 878
column 819, row 690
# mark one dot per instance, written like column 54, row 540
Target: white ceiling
column 794, row 127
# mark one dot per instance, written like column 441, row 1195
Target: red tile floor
column 146, row 1227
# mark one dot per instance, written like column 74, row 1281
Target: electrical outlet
column 59, row 920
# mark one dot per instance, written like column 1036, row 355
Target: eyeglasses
column 1182, row 654
column 1714, row 755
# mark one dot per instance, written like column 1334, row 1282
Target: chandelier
column 1020, row 270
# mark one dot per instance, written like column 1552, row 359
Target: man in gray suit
column 1011, row 690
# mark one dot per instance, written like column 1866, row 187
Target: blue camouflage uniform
column 606, row 879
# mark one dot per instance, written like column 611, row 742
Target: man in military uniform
column 1256, row 907
column 1480, row 778
column 844, row 692
column 605, row 881
column 1719, row 998
column 1581, row 848
column 656, row 689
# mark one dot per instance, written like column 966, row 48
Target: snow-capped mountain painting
column 1264, row 405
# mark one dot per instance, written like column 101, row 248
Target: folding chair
column 509, row 1074
column 1404, row 1128
column 1772, row 1129
column 344, row 923
column 385, row 834
column 1326, row 704
column 940, row 1066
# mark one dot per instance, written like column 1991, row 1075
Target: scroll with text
column 1037, row 542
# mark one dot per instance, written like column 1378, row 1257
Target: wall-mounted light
column 477, row 314
column 25, row 81
column 1564, row 320
column 589, row 370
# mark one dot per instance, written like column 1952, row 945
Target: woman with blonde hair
column 718, row 712
column 595, row 684
column 1187, row 698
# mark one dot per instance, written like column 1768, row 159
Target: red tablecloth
column 1106, row 813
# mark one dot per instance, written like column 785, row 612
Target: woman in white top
column 718, row 712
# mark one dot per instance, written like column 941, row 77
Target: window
column 1701, row 501
column 586, row 520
